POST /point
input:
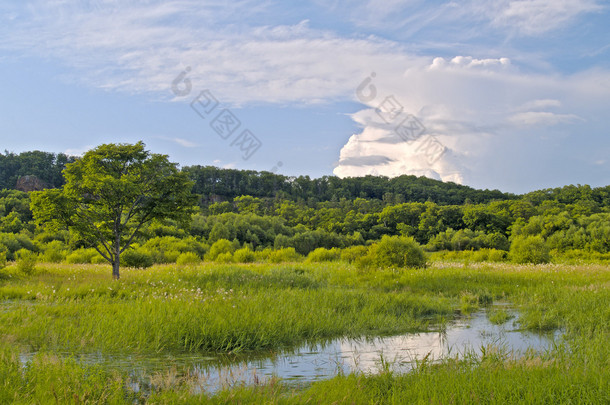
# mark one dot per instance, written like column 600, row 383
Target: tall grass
column 215, row 308
column 248, row 307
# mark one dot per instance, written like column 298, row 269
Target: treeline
column 215, row 184
column 44, row 166
column 567, row 220
column 262, row 211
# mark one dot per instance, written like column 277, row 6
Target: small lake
column 311, row 363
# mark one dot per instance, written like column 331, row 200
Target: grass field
column 242, row 308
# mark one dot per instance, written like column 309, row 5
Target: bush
column 136, row 258
column 575, row 256
column 14, row 242
column 284, row 255
column 244, row 255
column 395, row 251
column 98, row 259
column 263, row 255
column 2, row 260
column 188, row 258
column 530, row 249
column 224, row 258
column 219, row 247
column 324, row 255
column 166, row 249
column 55, row 252
column 169, row 256
column 26, row 261
column 82, row 256
column 353, row 253
column 488, row 255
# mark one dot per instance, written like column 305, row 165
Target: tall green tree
column 111, row 193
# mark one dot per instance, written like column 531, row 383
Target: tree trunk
column 115, row 267
column 117, row 254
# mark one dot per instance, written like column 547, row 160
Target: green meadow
column 258, row 307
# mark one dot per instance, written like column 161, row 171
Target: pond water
column 322, row 361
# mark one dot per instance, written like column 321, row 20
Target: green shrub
column 54, row 252
column 98, row 259
column 244, row 255
column 46, row 237
column 166, row 249
column 496, row 255
column 169, row 256
column 14, row 242
column 136, row 258
column 324, row 255
column 395, row 251
column 188, row 258
column 219, row 247
column 530, row 249
column 81, row 256
column 2, row 260
column 488, row 255
column 224, row 258
column 263, row 255
column 353, row 253
column 26, row 261
column 284, row 255
column 579, row 256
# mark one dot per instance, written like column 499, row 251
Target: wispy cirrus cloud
column 535, row 17
column 544, row 118
column 140, row 48
column 517, row 17
column 179, row 141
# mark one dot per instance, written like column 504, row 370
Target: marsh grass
column 252, row 306
column 499, row 316
column 220, row 308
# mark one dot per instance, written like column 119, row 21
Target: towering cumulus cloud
column 425, row 123
column 382, row 149
column 461, row 119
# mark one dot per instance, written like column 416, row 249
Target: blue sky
column 507, row 94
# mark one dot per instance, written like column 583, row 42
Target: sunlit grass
column 261, row 306
column 210, row 308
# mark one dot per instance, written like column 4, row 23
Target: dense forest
column 262, row 210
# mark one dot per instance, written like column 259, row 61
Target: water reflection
column 315, row 362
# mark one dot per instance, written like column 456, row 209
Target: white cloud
column 539, row 104
column 534, row 17
column 472, row 18
column 142, row 48
column 78, row 151
column 468, row 104
column 534, row 118
column 179, row 141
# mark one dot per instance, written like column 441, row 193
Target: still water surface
column 310, row 363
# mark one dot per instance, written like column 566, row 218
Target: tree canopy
column 111, row 193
